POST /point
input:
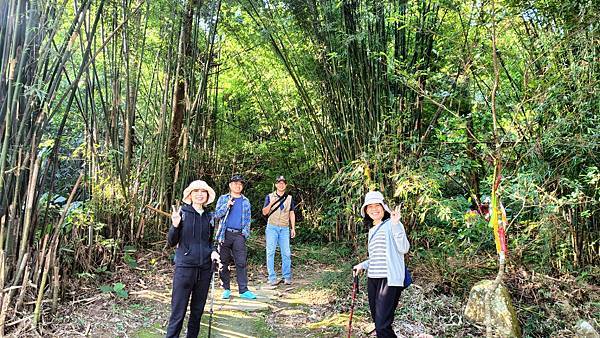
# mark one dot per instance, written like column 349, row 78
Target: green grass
column 261, row 328
column 153, row 331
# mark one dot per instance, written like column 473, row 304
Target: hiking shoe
column 248, row 295
column 271, row 285
column 287, row 282
column 226, row 294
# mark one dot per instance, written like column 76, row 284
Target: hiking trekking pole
column 212, row 295
column 354, row 290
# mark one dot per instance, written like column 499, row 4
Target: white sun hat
column 195, row 185
column 373, row 197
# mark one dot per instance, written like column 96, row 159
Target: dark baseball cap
column 237, row 178
column 280, row 178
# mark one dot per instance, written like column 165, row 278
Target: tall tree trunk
column 179, row 96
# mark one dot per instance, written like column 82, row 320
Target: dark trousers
column 234, row 246
column 383, row 300
column 188, row 282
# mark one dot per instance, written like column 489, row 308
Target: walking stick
column 214, row 272
column 212, row 296
column 354, row 290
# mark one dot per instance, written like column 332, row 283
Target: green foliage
column 341, row 98
column 117, row 288
column 128, row 258
column 336, row 281
column 261, row 327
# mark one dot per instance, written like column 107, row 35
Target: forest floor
column 317, row 304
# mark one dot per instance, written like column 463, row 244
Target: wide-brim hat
column 198, row 185
column 374, row 197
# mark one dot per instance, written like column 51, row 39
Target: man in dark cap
column 233, row 232
column 280, row 209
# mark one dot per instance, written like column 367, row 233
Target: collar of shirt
column 198, row 210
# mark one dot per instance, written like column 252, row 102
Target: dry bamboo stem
column 38, row 303
column 2, row 264
column 22, row 266
column 55, row 288
column 21, row 298
column 31, row 200
column 5, row 301
column 164, row 213
column 3, row 295
column 40, row 261
column 69, row 201
column 2, row 222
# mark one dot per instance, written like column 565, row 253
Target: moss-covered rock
column 584, row 329
column 503, row 315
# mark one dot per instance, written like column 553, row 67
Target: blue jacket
column 397, row 245
column 221, row 210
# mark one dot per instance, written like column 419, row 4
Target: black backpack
column 299, row 213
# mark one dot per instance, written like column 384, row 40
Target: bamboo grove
column 109, row 106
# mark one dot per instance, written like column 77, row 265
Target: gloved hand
column 214, row 256
column 357, row 270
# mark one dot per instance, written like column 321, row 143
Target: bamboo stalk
column 5, row 298
column 31, row 199
column 41, row 290
column 19, row 274
column 55, row 288
column 2, row 292
column 23, row 290
column 163, row 213
column 39, row 262
column 2, row 271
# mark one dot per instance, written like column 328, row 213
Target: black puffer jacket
column 193, row 238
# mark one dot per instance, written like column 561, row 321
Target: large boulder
column 503, row 316
column 584, row 329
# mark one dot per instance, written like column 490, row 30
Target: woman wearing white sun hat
column 387, row 245
column 192, row 232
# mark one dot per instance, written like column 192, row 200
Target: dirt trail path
column 239, row 317
column 297, row 310
column 317, row 304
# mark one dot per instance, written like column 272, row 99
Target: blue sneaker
column 248, row 295
column 226, row 294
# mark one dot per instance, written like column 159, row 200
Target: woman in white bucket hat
column 192, row 233
column 387, row 244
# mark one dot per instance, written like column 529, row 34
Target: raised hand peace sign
column 395, row 215
column 175, row 215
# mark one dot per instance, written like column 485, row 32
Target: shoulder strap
column 375, row 232
column 279, row 201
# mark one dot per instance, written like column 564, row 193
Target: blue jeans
column 277, row 235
